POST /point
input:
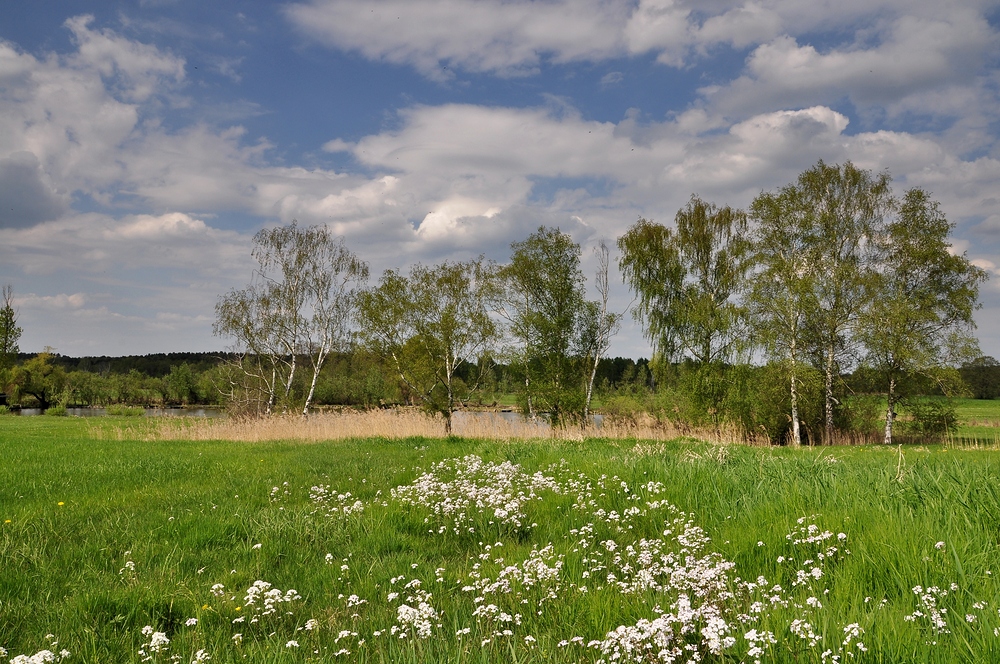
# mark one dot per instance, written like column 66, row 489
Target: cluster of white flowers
column 415, row 616
column 759, row 641
column 156, row 644
column 127, row 572
column 684, row 633
column 263, row 600
column 330, row 503
column 709, row 612
column 929, row 609
column 354, row 600
column 540, row 570
column 457, row 491
column 805, row 631
column 676, row 566
column 41, row 657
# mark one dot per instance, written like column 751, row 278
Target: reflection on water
column 148, row 412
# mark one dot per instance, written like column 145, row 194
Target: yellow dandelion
column 239, row 608
column 7, row 521
column 205, row 608
column 61, row 503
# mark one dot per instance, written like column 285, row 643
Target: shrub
column 933, row 418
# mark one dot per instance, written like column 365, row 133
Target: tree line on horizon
column 797, row 319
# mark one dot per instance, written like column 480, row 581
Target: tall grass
column 78, row 505
column 406, row 423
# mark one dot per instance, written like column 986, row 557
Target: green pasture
column 75, row 509
column 978, row 420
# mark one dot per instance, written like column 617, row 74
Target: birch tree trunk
column 828, row 433
column 317, row 367
column 288, row 383
column 606, row 325
column 272, row 392
column 590, row 389
column 449, row 373
column 890, row 411
column 796, row 439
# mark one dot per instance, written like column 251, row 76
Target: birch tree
column 687, row 281
column 542, row 298
column 844, row 208
column 599, row 323
column 430, row 325
column 923, row 295
column 782, row 289
column 297, row 305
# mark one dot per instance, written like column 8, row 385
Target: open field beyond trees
column 468, row 550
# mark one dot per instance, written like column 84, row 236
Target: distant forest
column 171, row 379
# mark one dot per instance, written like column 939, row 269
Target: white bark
column 796, row 439
column 890, row 412
column 829, row 394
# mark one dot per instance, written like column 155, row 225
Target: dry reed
column 405, row 423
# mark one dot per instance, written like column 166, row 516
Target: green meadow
column 532, row 551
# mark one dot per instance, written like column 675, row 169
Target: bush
column 933, row 418
column 56, row 411
column 623, row 409
column 863, row 414
column 5, row 410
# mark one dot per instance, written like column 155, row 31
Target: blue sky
column 142, row 144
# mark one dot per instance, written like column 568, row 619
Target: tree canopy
column 299, row 304
column 430, row 324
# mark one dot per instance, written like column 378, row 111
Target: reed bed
column 407, row 423
column 401, row 423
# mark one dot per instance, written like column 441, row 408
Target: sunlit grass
column 78, row 507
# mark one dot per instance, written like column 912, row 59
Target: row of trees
column 831, row 272
column 359, row 377
column 441, row 328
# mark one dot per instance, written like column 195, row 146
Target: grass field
column 128, row 551
column 979, row 421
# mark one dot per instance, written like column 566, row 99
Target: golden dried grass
column 406, row 423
